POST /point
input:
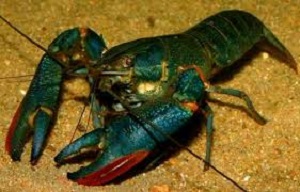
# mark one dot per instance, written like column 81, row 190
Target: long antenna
column 23, row 34
column 13, row 77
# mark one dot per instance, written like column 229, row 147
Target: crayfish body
column 150, row 88
column 168, row 76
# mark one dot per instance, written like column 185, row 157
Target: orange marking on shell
column 193, row 106
column 198, row 70
column 83, row 32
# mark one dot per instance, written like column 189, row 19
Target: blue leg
column 209, row 130
column 236, row 93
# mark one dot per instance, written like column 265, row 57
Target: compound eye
column 127, row 62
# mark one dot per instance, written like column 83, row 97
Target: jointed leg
column 209, row 129
column 236, row 93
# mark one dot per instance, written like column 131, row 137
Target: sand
column 259, row 158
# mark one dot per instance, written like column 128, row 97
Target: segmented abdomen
column 216, row 42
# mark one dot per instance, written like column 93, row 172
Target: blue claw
column 71, row 53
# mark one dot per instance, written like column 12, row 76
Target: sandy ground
column 259, row 158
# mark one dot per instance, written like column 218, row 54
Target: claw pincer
column 127, row 142
column 36, row 110
column 66, row 55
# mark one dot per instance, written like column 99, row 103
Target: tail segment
column 275, row 47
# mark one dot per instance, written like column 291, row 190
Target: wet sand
column 259, row 158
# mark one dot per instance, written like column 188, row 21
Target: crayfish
column 148, row 89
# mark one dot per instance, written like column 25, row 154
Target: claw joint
column 32, row 116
